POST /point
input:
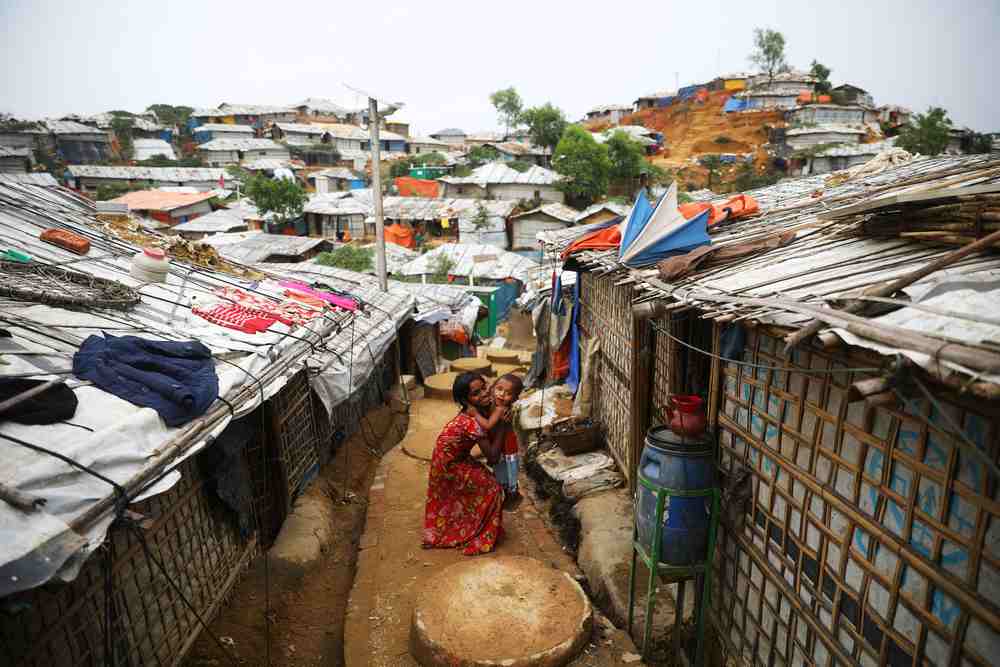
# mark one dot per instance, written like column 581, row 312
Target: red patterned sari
column 463, row 498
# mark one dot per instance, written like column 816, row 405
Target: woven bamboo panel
column 606, row 313
column 295, row 436
column 871, row 538
column 199, row 544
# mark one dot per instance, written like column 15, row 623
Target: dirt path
column 307, row 605
column 392, row 565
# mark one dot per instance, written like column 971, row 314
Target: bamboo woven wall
column 606, row 313
column 872, row 538
column 190, row 533
column 197, row 539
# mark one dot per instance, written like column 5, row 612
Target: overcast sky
column 442, row 59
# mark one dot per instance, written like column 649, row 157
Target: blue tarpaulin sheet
column 735, row 104
column 504, row 298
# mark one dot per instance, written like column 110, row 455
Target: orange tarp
column 737, row 206
column 401, row 234
column 416, row 187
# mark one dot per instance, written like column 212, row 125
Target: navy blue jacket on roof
column 177, row 379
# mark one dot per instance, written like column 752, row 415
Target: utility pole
column 374, row 120
column 373, row 128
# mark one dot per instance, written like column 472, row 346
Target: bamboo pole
column 969, row 357
column 890, row 288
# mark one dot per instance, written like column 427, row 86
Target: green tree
column 584, row 163
column 285, row 199
column 168, row 114
column 122, row 126
column 822, row 74
column 979, row 143
column 546, row 125
column 627, row 156
column 520, row 165
column 481, row 220
column 480, row 155
column 927, row 133
column 713, row 163
column 508, row 105
column 768, row 52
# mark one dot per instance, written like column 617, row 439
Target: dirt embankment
column 693, row 129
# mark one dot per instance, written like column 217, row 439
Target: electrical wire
column 786, row 369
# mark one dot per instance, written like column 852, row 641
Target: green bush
column 350, row 257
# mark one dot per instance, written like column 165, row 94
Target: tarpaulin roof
column 122, row 441
column 476, row 260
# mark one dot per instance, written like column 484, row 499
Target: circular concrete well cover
column 509, row 610
column 474, row 364
column 439, row 386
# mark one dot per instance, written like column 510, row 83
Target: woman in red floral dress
column 463, row 497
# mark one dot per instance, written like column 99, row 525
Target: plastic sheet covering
column 478, row 261
column 539, row 410
column 351, row 355
column 972, row 296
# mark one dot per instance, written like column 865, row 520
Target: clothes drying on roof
column 55, row 404
column 287, row 311
column 237, row 317
column 318, row 297
column 177, row 379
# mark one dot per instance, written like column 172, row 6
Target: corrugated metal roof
column 614, row 207
column 268, row 164
column 70, row 127
column 657, row 95
column 449, row 132
column 159, row 200
column 429, row 141
column 257, row 247
column 498, row 173
column 176, row 174
column 223, row 220
column 336, row 203
column 324, row 105
column 300, row 128
column 241, row 144
column 825, row 128
column 342, row 173
column 223, row 127
column 145, row 149
column 555, row 210
column 851, row 150
column 608, row 108
column 44, row 179
column 8, row 151
column 241, row 110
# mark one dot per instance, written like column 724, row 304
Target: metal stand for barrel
column 679, row 573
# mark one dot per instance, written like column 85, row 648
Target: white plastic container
column 150, row 266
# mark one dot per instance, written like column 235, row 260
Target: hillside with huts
column 197, row 340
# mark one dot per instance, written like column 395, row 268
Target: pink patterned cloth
column 290, row 312
column 232, row 316
column 332, row 299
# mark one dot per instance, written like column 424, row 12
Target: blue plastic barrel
column 674, row 462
